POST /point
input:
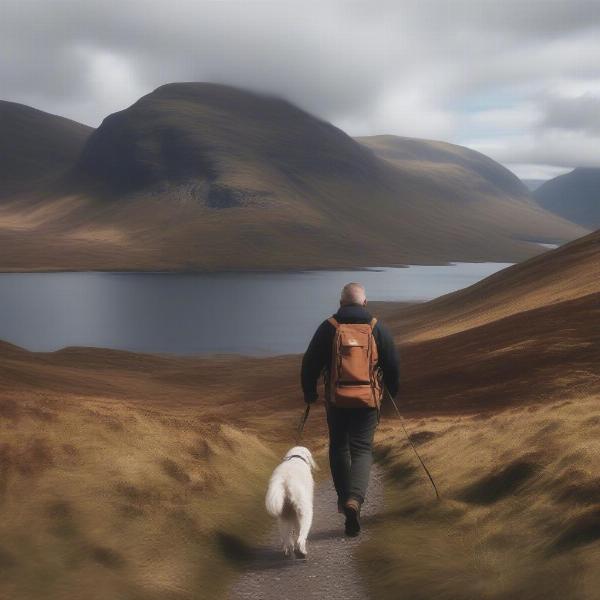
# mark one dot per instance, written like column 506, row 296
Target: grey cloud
column 306, row 55
column 559, row 148
column 349, row 62
column 579, row 114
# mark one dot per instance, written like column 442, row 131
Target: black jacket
column 318, row 355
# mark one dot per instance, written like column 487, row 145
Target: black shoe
column 352, row 512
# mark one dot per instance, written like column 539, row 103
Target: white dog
column 290, row 499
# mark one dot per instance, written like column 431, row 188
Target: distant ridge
column 199, row 176
column 407, row 153
column 35, row 146
column 574, row 196
column 533, row 184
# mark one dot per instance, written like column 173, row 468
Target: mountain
column 444, row 162
column 35, row 147
column 209, row 177
column 533, row 184
column 231, row 146
column 574, row 196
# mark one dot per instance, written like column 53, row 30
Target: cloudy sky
column 518, row 80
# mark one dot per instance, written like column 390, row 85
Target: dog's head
column 304, row 453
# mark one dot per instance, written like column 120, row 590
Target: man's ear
column 365, row 302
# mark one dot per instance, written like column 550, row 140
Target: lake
column 191, row 313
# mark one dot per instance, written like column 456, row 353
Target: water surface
column 191, row 313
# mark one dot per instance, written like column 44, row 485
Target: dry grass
column 133, row 476
column 535, row 356
column 104, row 500
column 502, row 387
column 567, row 273
column 136, row 476
column 520, row 515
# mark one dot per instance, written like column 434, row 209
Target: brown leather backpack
column 354, row 379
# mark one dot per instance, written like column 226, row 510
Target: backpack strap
column 333, row 321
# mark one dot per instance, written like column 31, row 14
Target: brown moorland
column 143, row 473
column 134, row 476
column 501, row 384
column 567, row 273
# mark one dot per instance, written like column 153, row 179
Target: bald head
column 353, row 293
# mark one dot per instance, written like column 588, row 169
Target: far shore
column 379, row 309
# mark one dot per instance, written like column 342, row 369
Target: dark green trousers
column 351, row 433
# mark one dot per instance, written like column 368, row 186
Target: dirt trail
column 331, row 570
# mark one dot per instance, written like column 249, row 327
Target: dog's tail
column 275, row 498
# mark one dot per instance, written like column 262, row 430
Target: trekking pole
column 303, row 419
column 413, row 446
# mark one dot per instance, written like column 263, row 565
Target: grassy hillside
column 134, row 476
column 209, row 177
column 35, row 147
column 501, row 388
column 109, row 501
column 567, row 273
column 520, row 514
column 574, row 196
column 524, row 335
column 142, row 473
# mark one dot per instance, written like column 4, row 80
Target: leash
column 413, row 446
column 302, row 423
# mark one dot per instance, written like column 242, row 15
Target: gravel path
column 330, row 571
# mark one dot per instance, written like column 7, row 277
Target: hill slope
column 512, row 365
column 533, row 184
column 528, row 333
column 574, row 196
column 209, row 177
column 444, row 161
column 35, row 146
column 119, row 455
column 568, row 273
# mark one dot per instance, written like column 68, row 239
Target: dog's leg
column 296, row 532
column 305, row 522
column 285, row 532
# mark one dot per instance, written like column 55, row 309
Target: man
column 351, row 429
